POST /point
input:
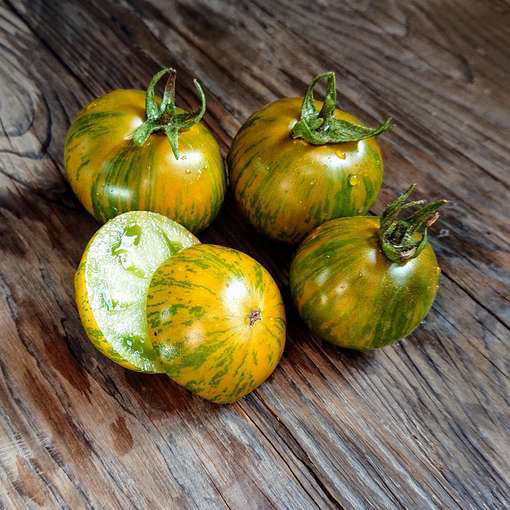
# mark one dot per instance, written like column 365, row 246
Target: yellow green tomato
column 292, row 167
column 217, row 320
column 365, row 282
column 130, row 150
column 113, row 278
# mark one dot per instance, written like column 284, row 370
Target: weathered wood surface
column 422, row 424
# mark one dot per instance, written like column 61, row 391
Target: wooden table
column 421, row 424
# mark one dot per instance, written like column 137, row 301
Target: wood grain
column 422, row 424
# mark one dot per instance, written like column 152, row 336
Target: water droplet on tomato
column 353, row 180
column 188, row 171
column 340, row 154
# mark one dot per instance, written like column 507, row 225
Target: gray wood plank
column 422, row 424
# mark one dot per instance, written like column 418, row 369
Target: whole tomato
column 365, row 282
column 129, row 150
column 217, row 321
column 292, row 167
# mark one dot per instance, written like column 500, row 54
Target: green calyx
column 163, row 116
column 398, row 237
column 319, row 128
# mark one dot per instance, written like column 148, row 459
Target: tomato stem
column 398, row 237
column 163, row 116
column 319, row 128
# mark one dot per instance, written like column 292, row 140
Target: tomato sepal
column 322, row 127
column 165, row 117
column 404, row 239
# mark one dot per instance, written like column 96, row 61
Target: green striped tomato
column 287, row 185
column 351, row 294
column 217, row 320
column 112, row 171
column 112, row 280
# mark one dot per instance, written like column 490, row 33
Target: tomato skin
column 218, row 320
column 110, row 174
column 351, row 295
column 286, row 187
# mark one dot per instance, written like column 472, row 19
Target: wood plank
column 422, row 424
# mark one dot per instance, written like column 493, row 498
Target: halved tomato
column 113, row 278
column 217, row 320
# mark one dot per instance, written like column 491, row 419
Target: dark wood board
column 421, row 424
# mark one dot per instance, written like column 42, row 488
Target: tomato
column 112, row 281
column 217, row 320
column 365, row 282
column 129, row 150
column 293, row 167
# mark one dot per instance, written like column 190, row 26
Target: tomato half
column 129, row 150
column 112, row 280
column 365, row 282
column 293, row 167
column 217, row 319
